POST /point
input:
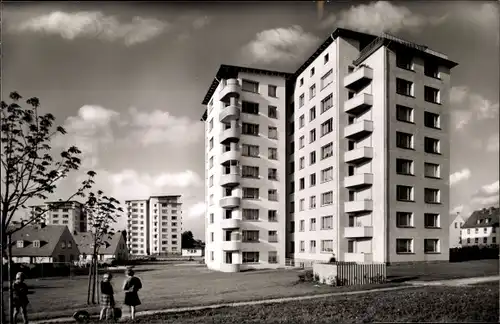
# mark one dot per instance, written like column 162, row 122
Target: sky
column 126, row 80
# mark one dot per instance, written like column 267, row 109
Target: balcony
column 357, row 206
column 358, row 232
column 231, row 245
column 231, row 155
column 358, row 79
column 230, row 223
column 230, row 135
column 358, row 155
column 358, row 257
column 231, row 112
column 358, row 104
column 358, row 180
column 230, row 180
column 230, row 202
column 231, row 89
column 358, row 130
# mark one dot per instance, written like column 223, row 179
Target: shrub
column 467, row 253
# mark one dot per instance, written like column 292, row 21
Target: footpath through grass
column 477, row 303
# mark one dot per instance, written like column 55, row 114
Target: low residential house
column 193, row 252
column 115, row 247
column 44, row 244
column 481, row 228
column 456, row 231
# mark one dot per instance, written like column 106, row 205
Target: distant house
column 456, row 231
column 194, row 252
column 116, row 247
column 44, row 244
column 481, row 228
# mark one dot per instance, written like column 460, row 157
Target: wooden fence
column 350, row 273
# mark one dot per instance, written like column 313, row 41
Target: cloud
column 200, row 22
column 487, row 195
column 490, row 189
column 160, row 126
column 474, row 107
column 94, row 24
column 457, row 209
column 378, row 17
column 284, row 45
column 459, row 176
column 493, row 144
column 197, row 210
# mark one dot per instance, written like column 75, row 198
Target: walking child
column 107, row 297
column 131, row 286
column 20, row 300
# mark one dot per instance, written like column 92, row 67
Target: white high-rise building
column 69, row 213
column 346, row 157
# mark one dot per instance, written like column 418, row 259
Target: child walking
column 131, row 286
column 107, row 297
column 20, row 300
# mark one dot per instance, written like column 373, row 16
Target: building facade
column 482, row 228
column 456, row 231
column 154, row 225
column 69, row 213
column 364, row 126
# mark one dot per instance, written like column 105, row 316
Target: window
column 431, row 120
column 432, row 196
column 250, row 257
column 312, row 71
column 272, row 215
column 211, row 181
column 312, row 202
column 312, row 246
column 476, row 240
column 404, row 113
column 312, row 180
column 302, row 184
column 272, row 112
column 250, row 193
column 404, row 193
column 431, row 70
column 273, row 132
column 326, row 222
column 404, row 87
column 292, row 227
column 404, row 245
column 431, row 145
column 20, row 243
column 432, row 95
column 301, row 142
column 302, row 225
column 485, row 239
column 404, row 140
column 312, row 91
column 250, row 129
column 36, row 243
column 302, row 246
column 301, row 82
column 404, row 219
column 250, row 107
column 211, row 125
column 312, row 224
column 211, row 143
column 272, row 153
column 327, row 175
column 327, row 246
column 312, row 158
column 250, row 86
column 211, row 162
column 404, row 61
column 272, row 257
column 431, row 170
column 63, row 244
column 272, row 236
column 249, row 172
column 272, row 174
column 404, row 166
column 326, row 58
column 431, row 220
column 301, row 121
column 250, row 236
column 327, row 151
column 327, row 198
column 272, row 195
column 271, row 91
column 431, row 245
column 211, row 218
column 312, row 113
column 327, row 127
column 302, row 163
column 301, row 100
column 327, row 103
column 312, row 135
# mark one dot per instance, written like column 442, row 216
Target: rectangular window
column 432, row 170
column 250, row 107
column 302, row 163
column 404, row 140
column 211, row 218
column 431, row 120
column 272, row 236
column 404, row 87
column 211, row 143
column 250, row 129
column 302, row 203
column 312, row 135
column 249, row 172
column 301, row 142
column 250, row 236
column 301, row 82
column 312, row 91
column 404, row 61
column 404, row 113
column 327, row 151
column 432, row 196
column 432, row 95
column 404, row 193
column 327, row 198
column 272, row 195
column 312, row 202
column 404, row 219
column 272, row 132
column 312, row 113
column 272, row 257
column 301, row 100
column 302, row 247
column 404, row 166
column 250, row 257
column 272, row 174
column 327, row 246
column 272, row 112
column 272, row 215
column 312, row 180
column 327, row 174
column 250, row 214
column 326, row 79
column 431, row 220
column 312, row 71
column 327, row 103
column 327, row 127
column 431, row 70
column 250, row 150
column 250, row 86
column 312, row 224
column 404, row 245
column 302, row 225
column 301, row 121
column 431, row 145
column 312, row 158
column 302, row 184
column 271, row 91
column 326, row 222
column 250, row 193
column 312, row 246
column 211, row 125
column 272, row 153
column 431, row 245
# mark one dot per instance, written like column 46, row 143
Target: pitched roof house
column 456, row 231
column 44, row 244
column 481, row 228
column 115, row 247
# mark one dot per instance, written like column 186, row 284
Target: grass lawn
column 478, row 303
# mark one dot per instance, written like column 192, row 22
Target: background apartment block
column 367, row 150
column 68, row 213
column 154, row 225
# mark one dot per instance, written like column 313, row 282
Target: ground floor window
column 250, row 257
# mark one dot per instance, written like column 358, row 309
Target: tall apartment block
column 154, row 225
column 355, row 145
column 68, row 213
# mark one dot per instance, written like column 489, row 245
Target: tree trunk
column 93, row 280
column 9, row 267
column 90, row 282
column 97, row 280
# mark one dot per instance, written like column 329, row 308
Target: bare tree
column 102, row 212
column 29, row 168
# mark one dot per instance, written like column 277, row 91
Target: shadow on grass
column 401, row 279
